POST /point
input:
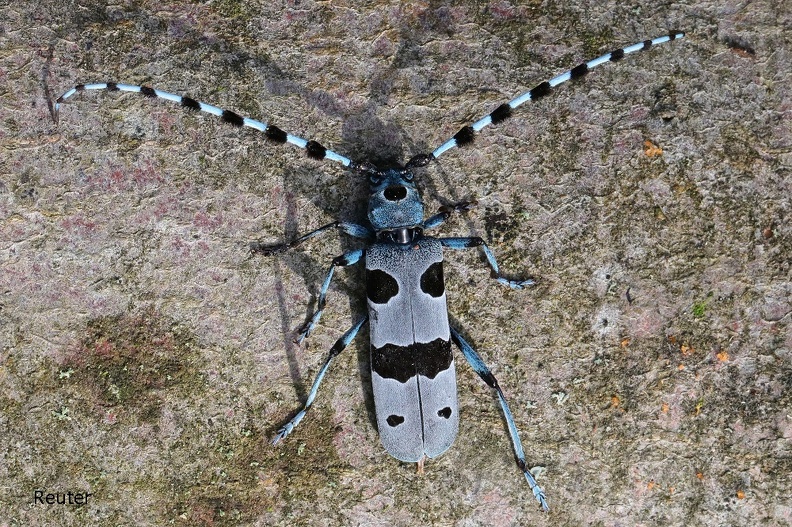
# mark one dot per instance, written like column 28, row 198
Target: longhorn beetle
column 412, row 367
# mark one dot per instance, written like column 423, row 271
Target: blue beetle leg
column 345, row 259
column 446, row 211
column 475, row 241
column 337, row 348
column 352, row 229
column 474, row 359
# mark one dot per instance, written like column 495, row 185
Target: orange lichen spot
column 742, row 53
column 680, row 366
column 651, row 484
column 652, row 150
column 671, row 490
column 625, row 343
column 672, row 339
column 615, row 401
column 740, row 494
column 686, row 350
column 700, row 476
column 664, row 408
column 722, row 356
column 741, row 49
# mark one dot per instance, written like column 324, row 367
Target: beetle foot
column 282, row 433
column 517, row 284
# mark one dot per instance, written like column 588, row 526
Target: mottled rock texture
column 146, row 357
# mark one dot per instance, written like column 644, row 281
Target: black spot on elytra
column 432, row 280
column 404, row 362
column 380, row 286
column 445, row 413
column 395, row 420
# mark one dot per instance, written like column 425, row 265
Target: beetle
column 412, row 365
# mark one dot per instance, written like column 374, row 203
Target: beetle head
column 395, row 201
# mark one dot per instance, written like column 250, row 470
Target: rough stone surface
column 147, row 358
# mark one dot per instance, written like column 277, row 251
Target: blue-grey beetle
column 412, row 366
